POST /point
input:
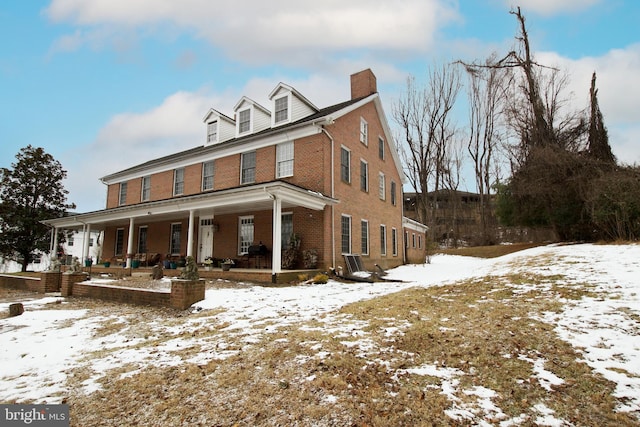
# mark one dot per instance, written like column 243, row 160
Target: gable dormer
column 251, row 117
column 289, row 105
column 220, row 128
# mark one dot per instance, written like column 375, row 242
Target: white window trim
column 253, row 223
column 175, row 181
column 384, row 149
column 364, row 136
column 288, row 118
column 394, row 241
column 213, row 140
column 366, row 190
column 174, row 253
column 279, row 160
column 342, row 147
column 382, row 186
column 142, row 198
column 122, row 193
column 212, row 176
column 350, row 233
column 383, row 248
column 255, row 167
column 368, row 236
column 248, row 131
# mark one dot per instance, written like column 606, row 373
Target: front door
column 205, row 239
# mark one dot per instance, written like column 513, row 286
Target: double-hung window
column 364, row 237
column 383, row 239
column 176, row 231
column 381, row 186
column 286, row 231
column 284, row 159
column 381, row 148
column 142, row 239
column 178, row 182
column 346, row 234
column 248, row 173
column 364, row 131
column 364, row 176
column 122, row 197
column 345, row 165
column 394, row 241
column 244, row 121
column 119, row 249
column 207, row 175
column 282, row 109
column 212, row 132
column 393, row 193
column 245, row 234
column 145, row 194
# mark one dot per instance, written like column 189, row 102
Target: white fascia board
column 385, row 126
column 390, row 139
column 217, row 114
column 414, row 225
column 252, row 195
column 293, row 91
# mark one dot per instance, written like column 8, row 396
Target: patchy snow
column 38, row 348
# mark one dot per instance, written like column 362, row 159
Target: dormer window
column 244, row 121
column 212, row 132
column 282, row 109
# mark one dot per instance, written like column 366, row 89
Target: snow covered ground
column 38, row 348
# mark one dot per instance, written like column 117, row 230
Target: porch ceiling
column 237, row 200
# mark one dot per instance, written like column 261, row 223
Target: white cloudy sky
column 105, row 84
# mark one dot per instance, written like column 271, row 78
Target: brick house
column 331, row 176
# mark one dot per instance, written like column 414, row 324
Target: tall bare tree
column 487, row 91
column 424, row 115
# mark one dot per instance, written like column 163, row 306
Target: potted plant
column 107, row 263
column 226, row 264
column 88, row 261
column 167, row 261
column 208, row 262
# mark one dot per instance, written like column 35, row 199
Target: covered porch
column 160, row 227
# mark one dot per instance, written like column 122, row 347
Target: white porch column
column 130, row 242
column 190, row 233
column 55, row 243
column 85, row 242
column 276, row 254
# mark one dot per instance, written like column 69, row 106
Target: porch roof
column 234, row 200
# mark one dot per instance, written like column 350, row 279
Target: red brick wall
column 417, row 254
column 366, row 205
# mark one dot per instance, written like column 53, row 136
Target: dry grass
column 488, row 251
column 354, row 367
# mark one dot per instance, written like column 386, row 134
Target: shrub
column 320, row 278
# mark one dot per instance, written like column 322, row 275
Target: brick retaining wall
column 23, row 283
column 182, row 295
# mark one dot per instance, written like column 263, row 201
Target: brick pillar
column 186, row 292
column 50, row 281
column 68, row 280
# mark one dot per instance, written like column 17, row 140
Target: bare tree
column 424, row 115
column 487, row 98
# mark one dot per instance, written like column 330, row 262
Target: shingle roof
column 327, row 111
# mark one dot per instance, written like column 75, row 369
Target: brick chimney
column 363, row 84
